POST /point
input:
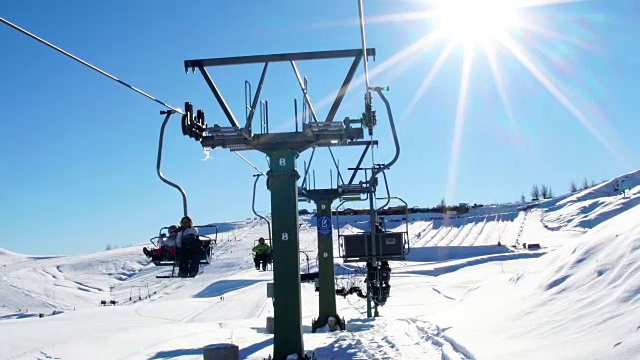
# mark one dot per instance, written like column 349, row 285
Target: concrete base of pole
column 270, row 325
column 221, row 352
column 334, row 323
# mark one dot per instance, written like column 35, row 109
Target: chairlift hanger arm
column 376, row 170
column 159, row 162
column 406, row 214
column 253, row 205
column 384, row 167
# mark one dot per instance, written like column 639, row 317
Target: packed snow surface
column 458, row 295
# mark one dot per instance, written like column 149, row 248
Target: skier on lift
column 189, row 248
column 186, row 228
column 166, row 248
column 262, row 253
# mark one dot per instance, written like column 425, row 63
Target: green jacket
column 261, row 249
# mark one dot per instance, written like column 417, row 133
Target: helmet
column 173, row 229
column 261, row 240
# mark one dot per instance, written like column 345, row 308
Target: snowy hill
column 457, row 296
column 8, row 257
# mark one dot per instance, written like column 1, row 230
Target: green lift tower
column 323, row 199
column 282, row 150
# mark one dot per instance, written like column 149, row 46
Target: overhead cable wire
column 178, row 110
column 364, row 45
column 249, row 162
column 366, row 76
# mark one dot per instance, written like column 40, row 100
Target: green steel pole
column 326, row 272
column 287, row 338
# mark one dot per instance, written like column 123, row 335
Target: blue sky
column 78, row 151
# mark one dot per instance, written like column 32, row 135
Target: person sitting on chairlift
column 186, row 228
column 166, row 246
column 189, row 248
column 262, row 253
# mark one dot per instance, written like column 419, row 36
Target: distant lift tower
column 282, row 150
column 323, row 198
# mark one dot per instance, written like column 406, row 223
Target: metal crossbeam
column 216, row 93
column 255, row 59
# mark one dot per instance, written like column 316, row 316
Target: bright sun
column 494, row 28
column 474, row 21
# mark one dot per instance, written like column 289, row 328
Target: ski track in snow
column 408, row 338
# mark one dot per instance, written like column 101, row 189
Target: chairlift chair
column 203, row 252
column 206, row 242
column 388, row 245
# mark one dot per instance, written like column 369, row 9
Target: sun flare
column 499, row 31
column 473, row 22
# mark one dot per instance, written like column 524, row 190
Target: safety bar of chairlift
column 161, row 234
column 338, row 222
column 386, row 185
column 346, row 199
column 200, row 237
column 208, row 226
column 406, row 217
column 338, row 214
column 153, row 240
column 305, row 252
column 159, row 161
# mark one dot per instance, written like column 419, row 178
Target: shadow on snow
column 171, row 354
column 222, row 287
column 446, row 253
column 475, row 261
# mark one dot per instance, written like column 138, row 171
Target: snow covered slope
column 457, row 296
